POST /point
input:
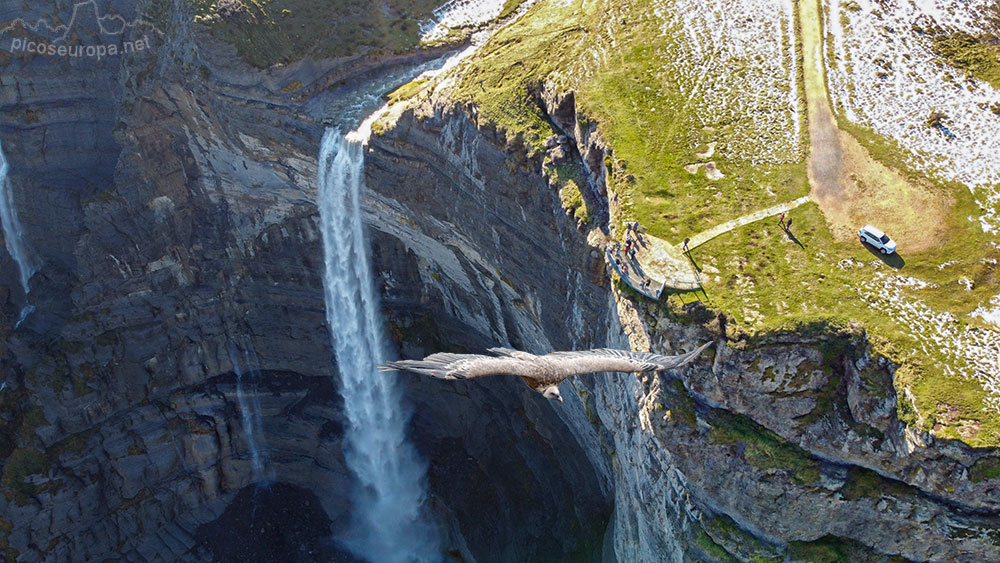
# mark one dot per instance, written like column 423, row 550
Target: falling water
column 388, row 526
column 250, row 414
column 13, row 233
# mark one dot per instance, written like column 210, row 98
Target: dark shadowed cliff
column 170, row 198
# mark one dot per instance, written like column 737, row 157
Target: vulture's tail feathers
column 674, row 362
column 440, row 365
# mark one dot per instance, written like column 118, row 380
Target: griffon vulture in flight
column 541, row 373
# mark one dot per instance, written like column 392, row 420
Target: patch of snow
column 970, row 352
column 738, row 62
column 883, row 75
column 990, row 314
column 459, row 13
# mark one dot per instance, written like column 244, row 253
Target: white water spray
column 250, row 414
column 389, row 525
column 13, row 234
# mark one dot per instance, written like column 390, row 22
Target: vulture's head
column 552, row 393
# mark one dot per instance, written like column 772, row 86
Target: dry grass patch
column 850, row 186
column 913, row 213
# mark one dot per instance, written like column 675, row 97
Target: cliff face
column 171, row 223
column 473, row 251
column 785, row 446
column 175, row 219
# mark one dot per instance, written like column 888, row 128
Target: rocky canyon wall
column 170, row 199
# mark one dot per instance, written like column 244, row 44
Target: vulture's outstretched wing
column 611, row 360
column 549, row 369
column 444, row 365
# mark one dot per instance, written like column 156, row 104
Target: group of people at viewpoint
column 632, row 239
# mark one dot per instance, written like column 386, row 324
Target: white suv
column 878, row 239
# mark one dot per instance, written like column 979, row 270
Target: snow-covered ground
column 970, row 351
column 991, row 313
column 737, row 60
column 883, row 75
column 459, row 13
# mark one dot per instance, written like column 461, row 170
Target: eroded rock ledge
column 197, row 227
column 786, row 446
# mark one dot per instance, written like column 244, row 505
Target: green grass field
column 758, row 275
column 268, row 32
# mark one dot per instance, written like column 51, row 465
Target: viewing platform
column 656, row 262
column 658, row 265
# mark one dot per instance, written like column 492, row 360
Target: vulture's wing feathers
column 611, row 360
column 513, row 353
column 549, row 369
column 444, row 365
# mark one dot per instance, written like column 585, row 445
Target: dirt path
column 850, row 187
column 826, row 169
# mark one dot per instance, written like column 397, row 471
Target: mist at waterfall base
column 389, row 524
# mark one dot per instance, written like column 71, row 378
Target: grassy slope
column 267, row 32
column 757, row 274
column 979, row 55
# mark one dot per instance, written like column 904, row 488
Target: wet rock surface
column 181, row 217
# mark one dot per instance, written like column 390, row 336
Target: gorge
column 173, row 394
column 389, row 498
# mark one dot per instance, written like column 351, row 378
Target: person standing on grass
column 788, row 225
column 686, row 241
column 781, row 220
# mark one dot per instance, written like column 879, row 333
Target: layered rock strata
column 180, row 216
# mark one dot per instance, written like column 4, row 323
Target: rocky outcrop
column 174, row 215
column 787, row 446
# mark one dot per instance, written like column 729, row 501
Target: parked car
column 878, row 239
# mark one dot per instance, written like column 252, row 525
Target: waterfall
column 13, row 234
column 250, row 413
column 389, row 525
column 390, row 492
